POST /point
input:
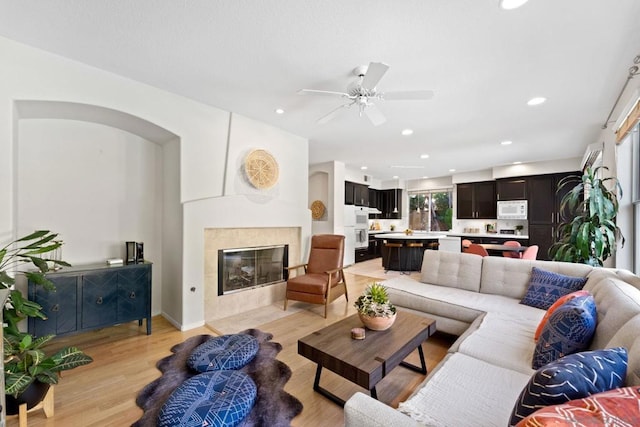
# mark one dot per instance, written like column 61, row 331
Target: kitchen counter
column 490, row 235
column 415, row 236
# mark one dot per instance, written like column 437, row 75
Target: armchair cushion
column 310, row 283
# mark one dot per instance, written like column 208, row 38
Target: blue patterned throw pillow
column 224, row 352
column 545, row 287
column 572, row 377
column 569, row 329
column 216, row 398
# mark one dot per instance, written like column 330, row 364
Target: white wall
column 206, row 142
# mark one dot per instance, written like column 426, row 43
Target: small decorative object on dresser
column 374, row 308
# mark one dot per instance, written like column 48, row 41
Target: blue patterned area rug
column 273, row 407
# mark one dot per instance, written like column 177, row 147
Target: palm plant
column 24, row 359
column 590, row 234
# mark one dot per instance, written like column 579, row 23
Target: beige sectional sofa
column 480, row 379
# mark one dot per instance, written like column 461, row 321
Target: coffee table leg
column 326, row 393
column 374, row 393
column 423, row 366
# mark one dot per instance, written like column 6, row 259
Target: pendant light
column 395, row 210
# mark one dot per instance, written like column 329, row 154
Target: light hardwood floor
column 103, row 393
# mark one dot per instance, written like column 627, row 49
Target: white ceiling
column 482, row 62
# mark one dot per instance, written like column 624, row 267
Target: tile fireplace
column 240, row 269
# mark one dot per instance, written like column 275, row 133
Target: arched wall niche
column 100, row 177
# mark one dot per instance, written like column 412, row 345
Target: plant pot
column 33, row 395
column 377, row 323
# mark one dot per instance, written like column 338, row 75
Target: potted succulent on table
column 374, row 308
column 28, row 370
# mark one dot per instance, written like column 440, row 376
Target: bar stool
column 414, row 257
column 389, row 246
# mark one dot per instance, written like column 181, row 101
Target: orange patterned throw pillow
column 617, row 407
column 553, row 308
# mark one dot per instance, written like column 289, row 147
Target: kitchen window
column 431, row 210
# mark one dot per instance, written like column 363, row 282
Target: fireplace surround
column 221, row 306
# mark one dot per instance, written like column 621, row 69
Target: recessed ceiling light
column 279, row 111
column 424, row 156
column 407, row 132
column 425, row 177
column 511, row 4
column 364, row 168
column 395, row 176
column 517, row 163
column 536, row 101
column 506, row 142
column 452, row 170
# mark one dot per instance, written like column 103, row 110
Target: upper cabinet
column 511, row 189
column 391, row 203
column 356, row 194
column 476, row 200
column 544, row 210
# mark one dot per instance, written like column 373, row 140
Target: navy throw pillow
column 569, row 330
column 545, row 287
column 216, row 398
column 572, row 377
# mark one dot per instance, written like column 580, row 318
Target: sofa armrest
column 363, row 411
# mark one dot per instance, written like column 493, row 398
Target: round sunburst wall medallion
column 317, row 209
column 261, row 169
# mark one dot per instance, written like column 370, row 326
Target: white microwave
column 512, row 209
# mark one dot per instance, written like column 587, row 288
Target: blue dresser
column 93, row 296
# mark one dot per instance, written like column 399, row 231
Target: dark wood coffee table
column 366, row 362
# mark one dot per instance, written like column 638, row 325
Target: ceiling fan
column 363, row 91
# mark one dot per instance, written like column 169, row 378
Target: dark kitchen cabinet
column 476, row 200
column 544, row 210
column 92, row 297
column 391, row 200
column 373, row 198
column 511, row 189
column 356, row 194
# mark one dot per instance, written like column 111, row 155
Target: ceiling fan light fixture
column 511, row 4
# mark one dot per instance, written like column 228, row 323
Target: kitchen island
column 403, row 252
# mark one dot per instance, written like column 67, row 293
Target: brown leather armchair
column 323, row 280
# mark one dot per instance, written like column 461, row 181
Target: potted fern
column 374, row 308
column 590, row 234
column 28, row 370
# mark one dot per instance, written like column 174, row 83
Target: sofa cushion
column 617, row 302
column 223, row 352
column 570, row 329
column 618, row 407
column 629, row 338
column 454, row 270
column 463, row 388
column 454, row 303
column 500, row 339
column 510, row 277
column 215, row 398
column 572, row 377
column 554, row 307
column 545, row 287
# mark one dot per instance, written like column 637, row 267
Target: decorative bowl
column 377, row 323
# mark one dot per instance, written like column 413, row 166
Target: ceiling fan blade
column 375, row 115
column 328, row 117
column 408, row 95
column 321, row 92
column 375, row 71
